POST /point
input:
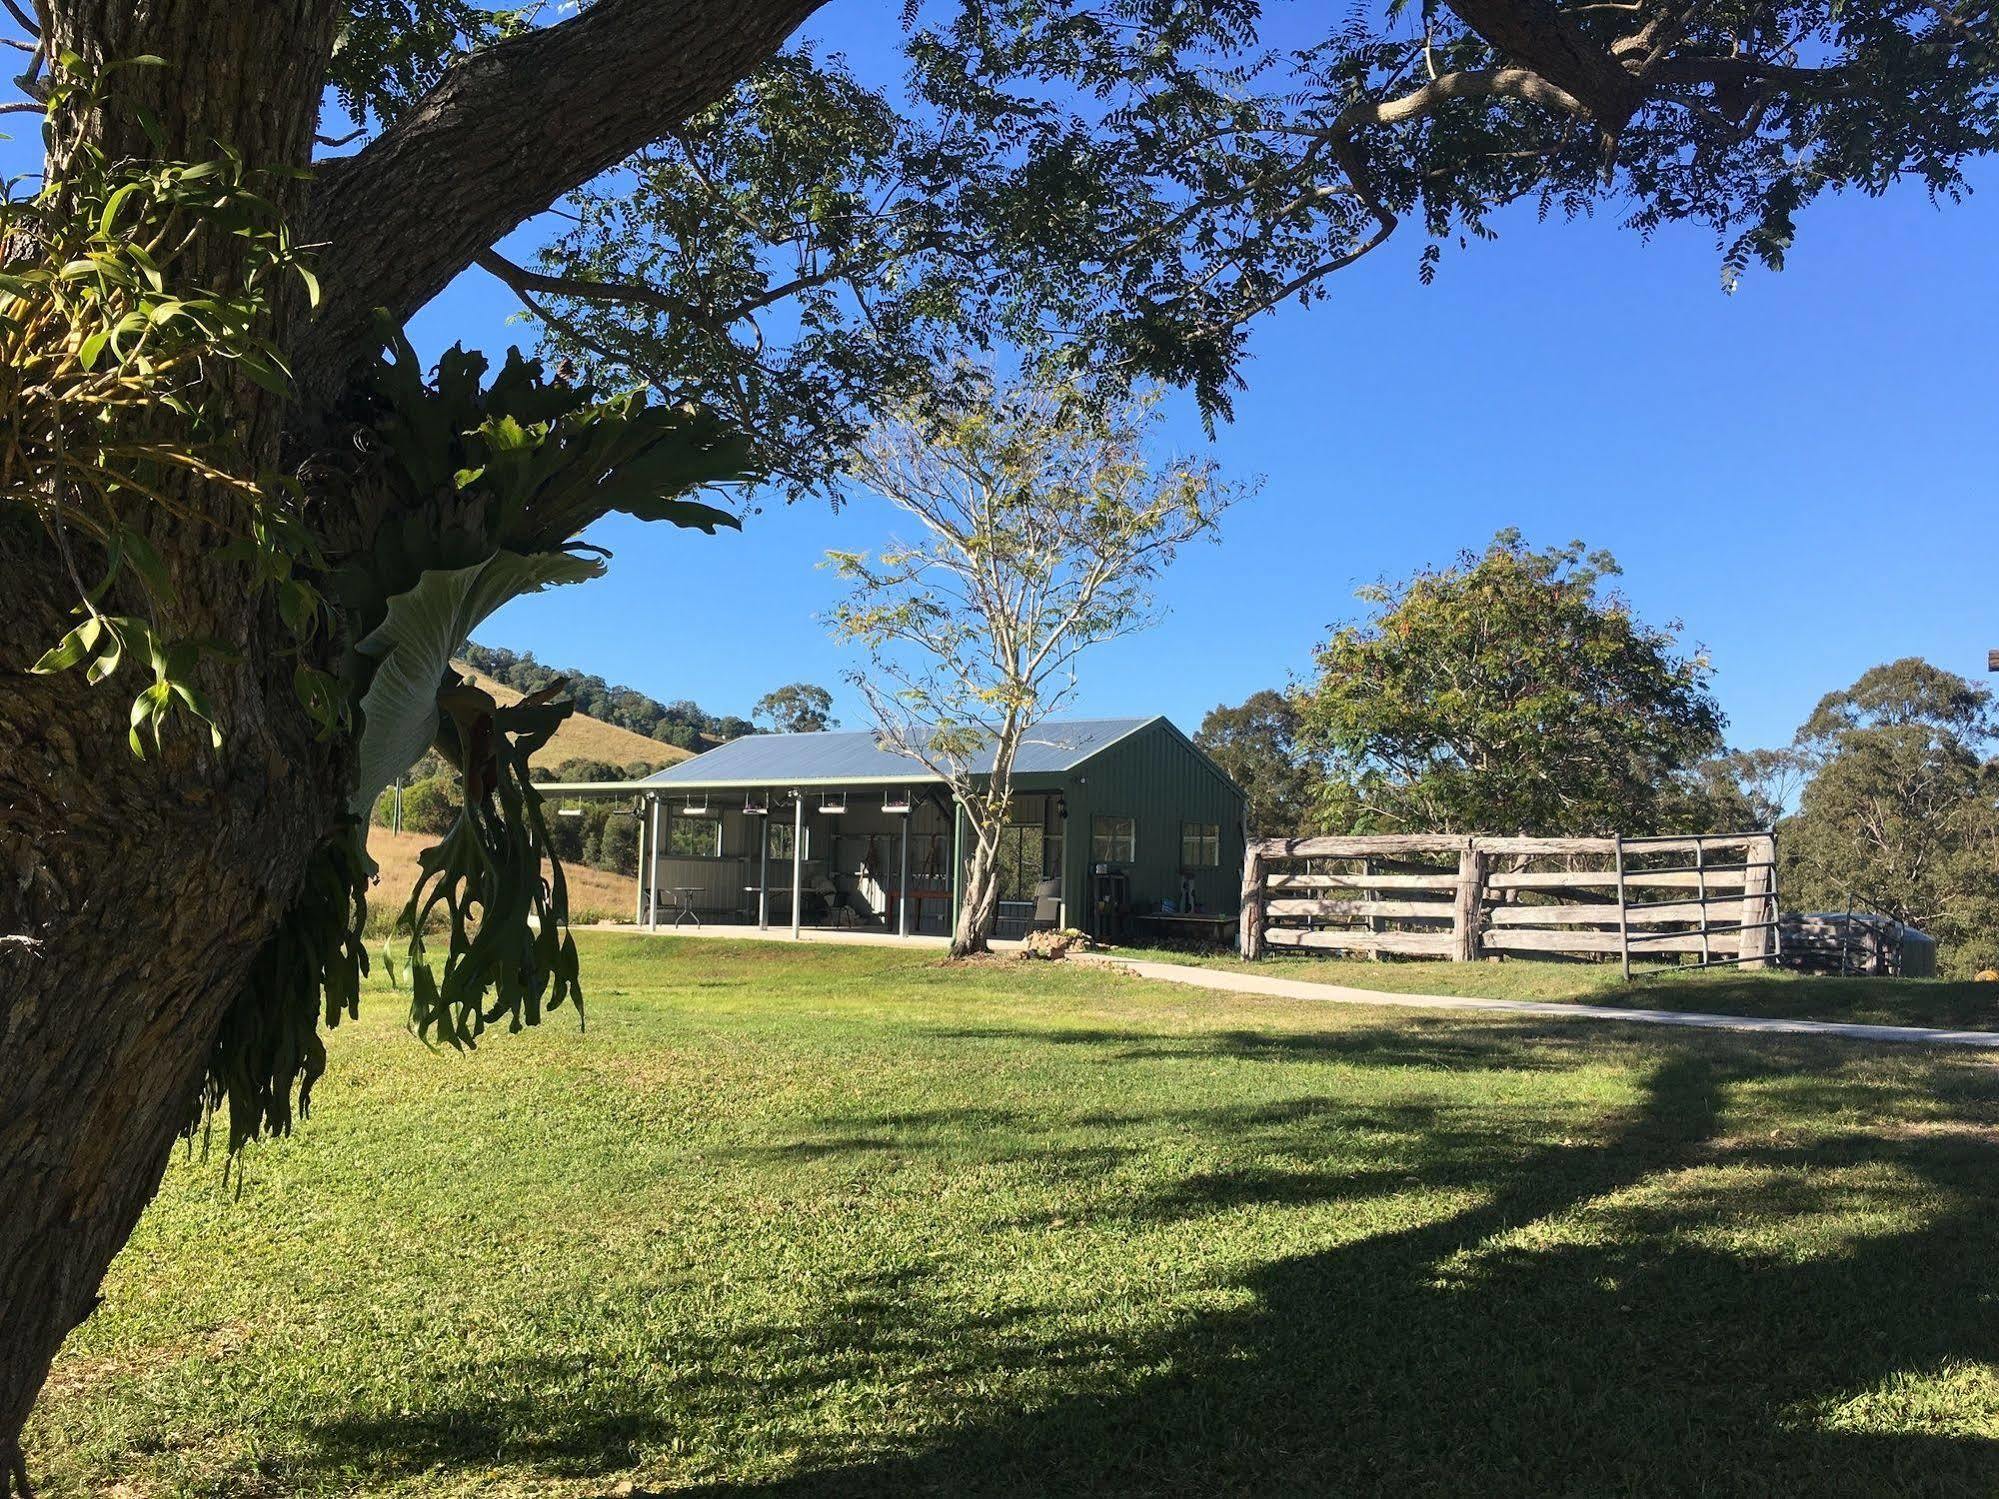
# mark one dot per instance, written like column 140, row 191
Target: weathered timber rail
column 1698, row 898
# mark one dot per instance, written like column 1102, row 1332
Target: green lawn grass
column 836, row 1221
column 1712, row 991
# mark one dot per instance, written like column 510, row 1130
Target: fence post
column 1249, row 934
column 1623, row 914
column 1757, row 905
column 1470, row 903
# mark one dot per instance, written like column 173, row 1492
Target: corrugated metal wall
column 1160, row 780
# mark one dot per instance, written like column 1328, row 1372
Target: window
column 1020, row 853
column 780, row 840
column 695, row 837
column 1200, row 845
column 1113, row 840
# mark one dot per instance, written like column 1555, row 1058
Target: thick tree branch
column 1535, row 35
column 1505, row 83
column 508, row 131
column 1737, row 70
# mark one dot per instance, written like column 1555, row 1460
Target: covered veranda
column 837, row 832
column 807, row 856
column 832, row 856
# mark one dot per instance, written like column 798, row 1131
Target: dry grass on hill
column 593, row 893
column 583, row 737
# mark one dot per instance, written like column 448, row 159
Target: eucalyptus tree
column 796, row 708
column 756, row 234
column 1901, row 811
column 1256, row 743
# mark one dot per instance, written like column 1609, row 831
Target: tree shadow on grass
column 1605, row 1320
column 1484, row 1354
column 1420, row 1041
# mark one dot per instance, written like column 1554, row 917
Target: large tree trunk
column 136, row 894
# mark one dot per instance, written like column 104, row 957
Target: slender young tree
column 1042, row 526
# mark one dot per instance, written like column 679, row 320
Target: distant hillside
column 684, row 723
column 582, row 737
column 594, row 894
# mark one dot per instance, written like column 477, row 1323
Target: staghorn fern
column 482, row 493
column 506, row 926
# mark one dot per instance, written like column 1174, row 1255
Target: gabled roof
column 858, row 758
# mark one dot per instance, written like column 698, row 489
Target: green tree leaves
column 799, row 708
column 1509, row 693
column 117, row 355
column 1901, row 814
column 1121, row 189
column 1256, row 745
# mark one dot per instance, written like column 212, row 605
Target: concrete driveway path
column 1226, row 981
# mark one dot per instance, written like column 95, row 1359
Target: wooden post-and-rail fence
column 1706, row 899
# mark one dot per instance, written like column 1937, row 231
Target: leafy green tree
column 1735, row 791
column 1256, row 745
column 801, row 708
column 1120, row 189
column 431, row 806
column 1510, row 693
column 618, row 842
column 1043, row 524
column 1901, row 814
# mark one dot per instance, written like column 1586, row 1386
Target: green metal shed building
column 1112, row 818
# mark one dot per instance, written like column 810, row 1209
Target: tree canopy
column 1122, row 189
column 798, row 708
column 1510, row 693
column 1901, row 812
column 1256, row 745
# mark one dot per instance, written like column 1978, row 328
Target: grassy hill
column 594, row 894
column 583, row 737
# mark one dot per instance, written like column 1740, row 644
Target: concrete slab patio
column 1224, row 981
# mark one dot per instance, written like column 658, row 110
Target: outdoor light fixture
column 833, row 801
column 897, row 801
column 756, row 804
column 694, row 806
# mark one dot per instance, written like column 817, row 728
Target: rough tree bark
column 134, row 895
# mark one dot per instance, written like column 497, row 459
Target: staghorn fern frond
column 481, row 493
column 506, row 926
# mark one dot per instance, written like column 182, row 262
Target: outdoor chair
column 1047, row 906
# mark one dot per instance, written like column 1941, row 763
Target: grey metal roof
column 849, row 759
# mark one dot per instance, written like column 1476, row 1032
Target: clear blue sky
column 1804, row 473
